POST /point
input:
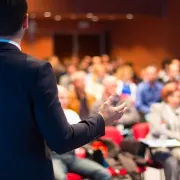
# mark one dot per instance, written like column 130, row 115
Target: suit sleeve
column 52, row 123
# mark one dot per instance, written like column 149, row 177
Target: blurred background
column 141, row 31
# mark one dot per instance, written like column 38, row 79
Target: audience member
column 107, row 63
column 136, row 79
column 94, row 80
column 125, row 84
column 163, row 73
column 173, row 73
column 118, row 62
column 148, row 91
column 79, row 100
column 85, row 64
column 164, row 119
column 75, row 61
column 58, row 68
column 68, row 162
column 65, row 80
column 96, row 60
column 131, row 116
column 176, row 62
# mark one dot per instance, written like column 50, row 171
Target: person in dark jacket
column 31, row 116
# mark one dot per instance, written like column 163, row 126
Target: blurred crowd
column 152, row 96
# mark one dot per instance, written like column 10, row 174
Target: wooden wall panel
column 55, row 6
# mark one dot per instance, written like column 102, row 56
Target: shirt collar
column 11, row 42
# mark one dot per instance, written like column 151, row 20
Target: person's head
column 119, row 61
column 78, row 80
column 165, row 64
column 96, row 60
column 125, row 73
column 85, row 63
column 105, row 58
column 63, row 96
column 98, row 71
column 110, row 85
column 176, row 62
column 71, row 69
column 75, row 60
column 173, row 71
column 151, row 73
column 171, row 94
column 13, row 19
column 54, row 61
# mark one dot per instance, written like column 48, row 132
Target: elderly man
column 82, row 101
column 69, row 162
column 131, row 116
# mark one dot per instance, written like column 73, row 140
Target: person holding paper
column 164, row 120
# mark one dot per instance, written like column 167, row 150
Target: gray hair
column 78, row 75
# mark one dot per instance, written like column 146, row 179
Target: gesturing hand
column 110, row 113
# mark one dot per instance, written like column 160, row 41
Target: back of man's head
column 12, row 14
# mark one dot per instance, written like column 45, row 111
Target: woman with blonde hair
column 126, row 86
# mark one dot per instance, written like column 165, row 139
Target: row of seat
column 139, row 130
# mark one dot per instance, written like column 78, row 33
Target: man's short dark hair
column 12, row 13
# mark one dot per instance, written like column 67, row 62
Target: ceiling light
column 57, row 18
column 129, row 16
column 95, row 19
column 89, row 15
column 47, row 14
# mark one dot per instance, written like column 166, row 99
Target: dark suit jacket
column 31, row 117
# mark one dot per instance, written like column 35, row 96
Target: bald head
column 110, row 85
column 78, row 80
column 151, row 73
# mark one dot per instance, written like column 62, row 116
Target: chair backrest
column 113, row 134
column 140, row 130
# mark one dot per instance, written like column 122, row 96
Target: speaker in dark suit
column 31, row 117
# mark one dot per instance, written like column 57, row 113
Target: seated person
column 126, row 86
column 148, row 91
column 65, row 80
column 131, row 116
column 164, row 119
column 68, row 162
column 79, row 100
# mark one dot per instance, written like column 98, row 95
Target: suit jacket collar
column 8, row 47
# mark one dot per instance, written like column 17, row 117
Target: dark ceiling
column 80, row 8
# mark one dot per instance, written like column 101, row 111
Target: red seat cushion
column 113, row 134
column 72, row 176
column 140, row 130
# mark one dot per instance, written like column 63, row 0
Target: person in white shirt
column 68, row 162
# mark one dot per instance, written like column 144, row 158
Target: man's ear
column 25, row 22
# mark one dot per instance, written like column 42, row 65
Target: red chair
column 72, row 176
column 140, row 130
column 113, row 134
